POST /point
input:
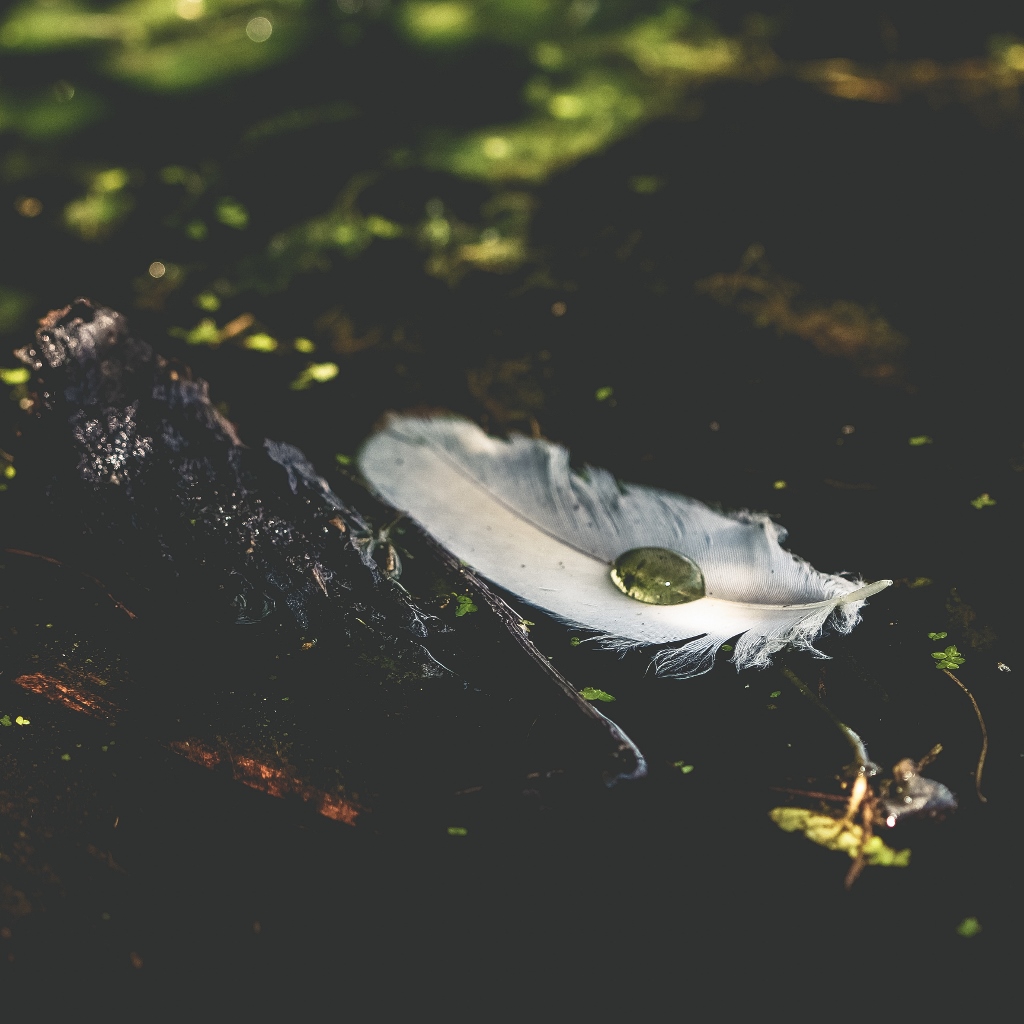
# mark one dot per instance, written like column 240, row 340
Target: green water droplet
column 657, row 576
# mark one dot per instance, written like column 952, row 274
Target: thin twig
column 85, row 575
column 810, row 794
column 868, row 808
column 862, row 798
column 513, row 622
column 856, row 743
column 984, row 736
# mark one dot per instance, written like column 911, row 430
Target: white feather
column 520, row 516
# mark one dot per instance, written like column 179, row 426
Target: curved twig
column 984, row 737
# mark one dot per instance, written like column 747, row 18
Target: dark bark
column 132, row 454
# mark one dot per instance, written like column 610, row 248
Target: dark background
column 877, row 225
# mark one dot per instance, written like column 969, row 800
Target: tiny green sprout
column 22, row 720
column 775, row 693
column 457, row 830
column 304, row 345
column 683, row 767
column 342, row 460
column 968, row 928
column 603, row 394
column 464, row 605
column 575, row 641
column 948, row 659
column 779, row 485
column 726, row 647
column 6, row 720
column 918, row 440
column 982, row 501
column 937, row 636
column 65, row 757
column 593, row 693
column 525, row 624
column 10, row 472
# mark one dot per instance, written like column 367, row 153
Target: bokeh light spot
column 259, row 29
column 190, row 10
column 28, row 206
column 496, row 148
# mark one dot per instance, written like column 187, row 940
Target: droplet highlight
column 657, row 576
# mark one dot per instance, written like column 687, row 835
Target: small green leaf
column 457, row 830
column 65, row 757
column 968, row 928
column 982, row 501
column 603, row 394
column 920, row 439
column 205, row 332
column 261, row 343
column 950, row 658
column 342, row 460
column 839, row 834
column 575, row 641
column 6, row 720
column 937, row 636
column 315, row 373
column 775, row 693
column 683, row 767
column 593, row 693
column 232, row 213
column 22, row 720
column 465, row 606
column 15, row 375
column 382, row 227
column 726, row 647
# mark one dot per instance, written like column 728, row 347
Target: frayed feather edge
column 696, row 656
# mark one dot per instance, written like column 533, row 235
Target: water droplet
column 657, row 576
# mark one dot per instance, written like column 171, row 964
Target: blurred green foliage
column 235, row 147
column 162, row 44
column 73, row 103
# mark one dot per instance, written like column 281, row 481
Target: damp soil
column 187, row 801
